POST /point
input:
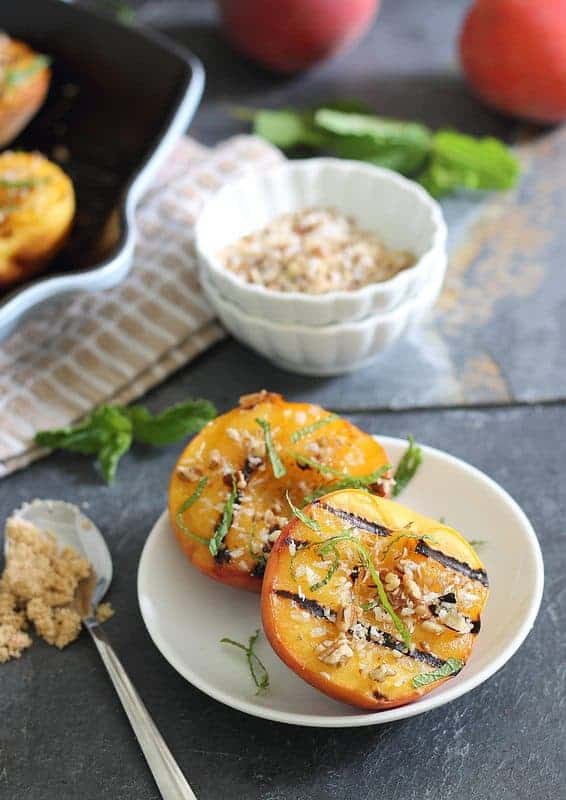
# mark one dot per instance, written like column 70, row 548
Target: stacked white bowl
column 340, row 331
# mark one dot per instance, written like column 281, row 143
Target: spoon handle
column 168, row 777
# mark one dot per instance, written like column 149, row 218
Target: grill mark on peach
column 223, row 556
column 450, row 597
column 354, row 519
column 311, row 606
column 390, row 642
column 452, row 563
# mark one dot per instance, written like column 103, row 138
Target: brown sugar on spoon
column 37, row 589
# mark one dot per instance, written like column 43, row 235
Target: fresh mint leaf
column 111, row 453
column 108, row 431
column 451, row 667
column 463, row 162
column 258, row 670
column 173, row 424
column 382, row 131
column 286, row 129
column 276, row 464
column 407, row 467
column 215, row 543
column 401, row 146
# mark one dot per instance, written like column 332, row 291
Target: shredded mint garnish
column 276, row 464
column 15, row 76
column 305, row 461
column 348, row 482
column 109, row 431
column 332, row 569
column 258, row 670
column 315, row 426
column 382, row 594
column 305, row 519
column 215, row 543
column 407, row 467
column 477, row 542
column 451, row 667
column 191, row 500
column 329, row 545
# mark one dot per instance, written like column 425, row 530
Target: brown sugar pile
column 37, row 587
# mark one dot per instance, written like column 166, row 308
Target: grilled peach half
column 24, row 81
column 370, row 602
column 228, row 492
column 37, row 206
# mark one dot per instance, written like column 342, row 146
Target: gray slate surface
column 63, row 734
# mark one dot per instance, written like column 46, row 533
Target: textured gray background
column 63, row 734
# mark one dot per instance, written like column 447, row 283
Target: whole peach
column 291, row 35
column 513, row 53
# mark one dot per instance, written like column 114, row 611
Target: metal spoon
column 73, row 529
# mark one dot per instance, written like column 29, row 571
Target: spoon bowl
column 73, row 529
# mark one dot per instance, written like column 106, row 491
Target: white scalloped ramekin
column 329, row 349
column 397, row 209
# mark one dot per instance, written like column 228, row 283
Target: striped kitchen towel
column 112, row 346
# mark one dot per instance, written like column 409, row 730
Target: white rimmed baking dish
column 399, row 210
column 329, row 349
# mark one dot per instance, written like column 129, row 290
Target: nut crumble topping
column 336, row 651
column 315, row 250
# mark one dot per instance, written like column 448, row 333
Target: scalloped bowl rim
column 211, row 261
column 405, row 308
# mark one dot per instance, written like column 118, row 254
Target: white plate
column 187, row 614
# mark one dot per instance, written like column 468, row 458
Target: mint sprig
column 109, row 431
column 442, row 161
column 258, row 670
